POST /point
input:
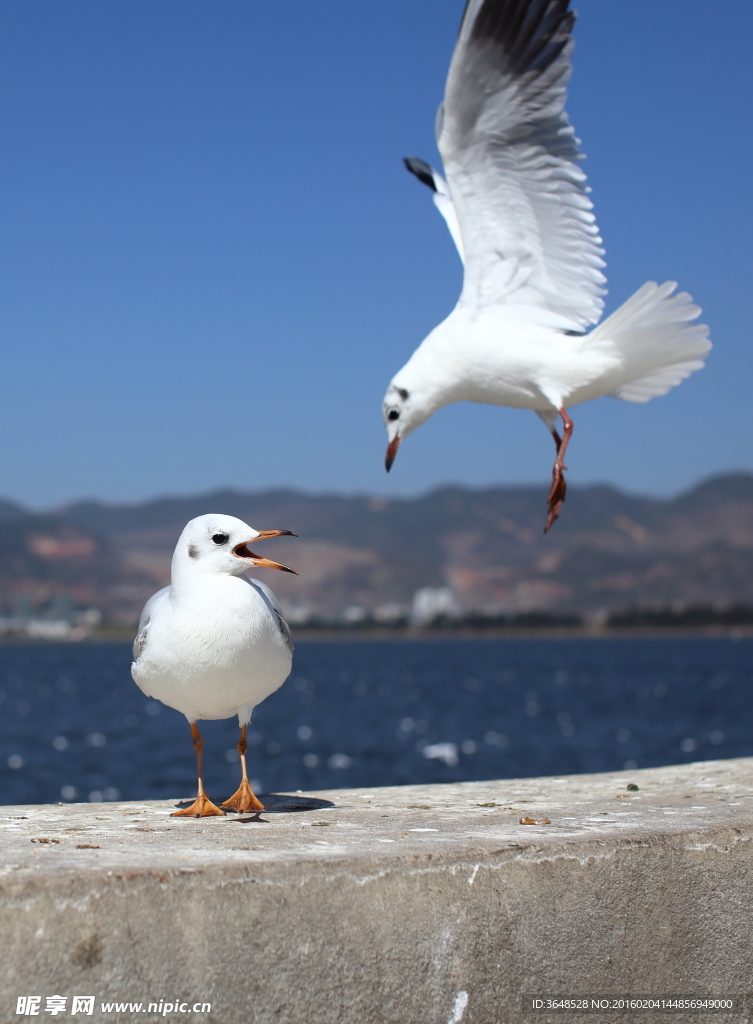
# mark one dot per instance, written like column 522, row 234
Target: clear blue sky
column 212, row 260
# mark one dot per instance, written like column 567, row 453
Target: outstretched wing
column 511, row 159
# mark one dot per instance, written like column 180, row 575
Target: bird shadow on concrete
column 280, row 803
column 275, row 803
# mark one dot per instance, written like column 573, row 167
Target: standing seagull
column 214, row 644
column 517, row 207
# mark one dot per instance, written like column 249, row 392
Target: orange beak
column 392, row 448
column 243, row 551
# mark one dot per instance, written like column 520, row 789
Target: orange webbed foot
column 243, row 800
column 202, row 807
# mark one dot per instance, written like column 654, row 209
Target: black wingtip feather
column 421, row 170
column 532, row 33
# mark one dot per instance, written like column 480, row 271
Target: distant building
column 430, row 603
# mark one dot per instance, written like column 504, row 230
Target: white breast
column 500, row 356
column 216, row 651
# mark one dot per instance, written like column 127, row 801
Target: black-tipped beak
column 392, row 448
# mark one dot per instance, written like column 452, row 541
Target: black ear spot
column 193, row 552
column 403, row 393
column 220, row 538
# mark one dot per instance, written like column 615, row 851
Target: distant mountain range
column 466, row 549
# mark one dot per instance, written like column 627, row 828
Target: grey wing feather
column 139, row 644
column 146, row 616
column 511, row 156
column 269, row 598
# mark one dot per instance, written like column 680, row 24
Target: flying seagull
column 516, row 203
column 214, row 644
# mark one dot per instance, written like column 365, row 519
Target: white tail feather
column 658, row 344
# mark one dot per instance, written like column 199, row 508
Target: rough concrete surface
column 407, row 905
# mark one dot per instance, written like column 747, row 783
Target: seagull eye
column 220, row 538
column 393, row 414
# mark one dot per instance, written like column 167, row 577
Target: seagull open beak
column 266, row 534
column 392, row 448
column 243, row 551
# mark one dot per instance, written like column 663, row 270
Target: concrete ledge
column 412, row 905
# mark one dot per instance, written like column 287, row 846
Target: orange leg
column 202, row 807
column 559, row 487
column 243, row 799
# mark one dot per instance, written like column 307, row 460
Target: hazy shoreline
column 324, row 635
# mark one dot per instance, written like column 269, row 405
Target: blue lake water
column 73, row 726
